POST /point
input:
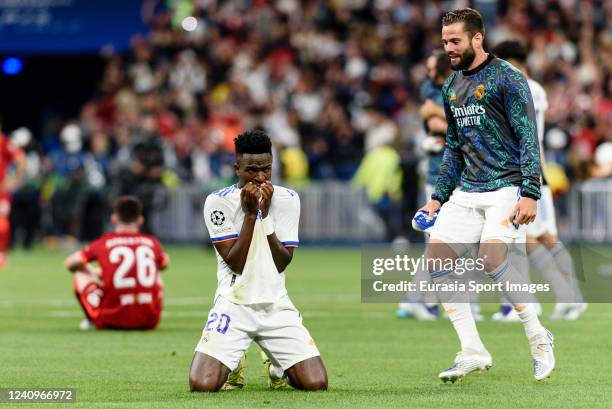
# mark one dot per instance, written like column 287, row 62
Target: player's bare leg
column 308, row 375
column 207, row 374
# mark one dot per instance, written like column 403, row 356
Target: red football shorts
column 134, row 316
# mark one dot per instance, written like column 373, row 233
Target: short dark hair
column 128, row 209
column 471, row 19
column 254, row 142
column 511, row 49
column 442, row 64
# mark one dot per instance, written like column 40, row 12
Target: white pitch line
column 202, row 314
column 70, row 301
column 205, row 301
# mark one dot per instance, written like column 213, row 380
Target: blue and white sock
column 526, row 311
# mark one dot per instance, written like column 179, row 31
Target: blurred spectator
column 68, row 183
column 380, row 174
column 602, row 166
column 25, row 212
column 143, row 176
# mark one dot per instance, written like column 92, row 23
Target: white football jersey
column 540, row 104
column 260, row 281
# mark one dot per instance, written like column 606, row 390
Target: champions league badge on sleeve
column 217, row 217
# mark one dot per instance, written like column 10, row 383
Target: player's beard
column 465, row 59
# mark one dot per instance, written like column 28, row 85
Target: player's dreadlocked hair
column 471, row 19
column 255, row 141
column 128, row 209
column 511, row 49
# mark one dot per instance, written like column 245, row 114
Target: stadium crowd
column 328, row 81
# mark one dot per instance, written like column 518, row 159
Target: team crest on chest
column 452, row 96
column 480, row 92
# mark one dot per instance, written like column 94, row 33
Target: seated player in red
column 126, row 292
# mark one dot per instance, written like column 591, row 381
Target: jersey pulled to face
column 130, row 265
column 260, row 281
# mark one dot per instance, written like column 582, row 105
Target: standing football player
column 126, row 292
column 492, row 150
column 254, row 229
column 547, row 255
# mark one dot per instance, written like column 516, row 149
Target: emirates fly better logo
column 468, row 115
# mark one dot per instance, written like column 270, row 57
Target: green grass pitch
column 373, row 359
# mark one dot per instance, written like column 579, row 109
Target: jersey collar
column 473, row 71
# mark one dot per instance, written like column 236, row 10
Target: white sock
column 526, row 310
column 565, row 264
column 460, row 314
column 543, row 262
column 529, row 316
column 276, row 371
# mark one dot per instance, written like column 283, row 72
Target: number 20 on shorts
column 223, row 324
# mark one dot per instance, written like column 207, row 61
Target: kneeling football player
column 254, row 229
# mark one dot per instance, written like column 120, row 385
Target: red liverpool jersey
column 130, row 264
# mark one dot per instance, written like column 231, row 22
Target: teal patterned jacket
column 491, row 141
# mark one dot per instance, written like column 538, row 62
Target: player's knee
column 206, row 374
column 312, row 379
column 492, row 262
column 315, row 384
column 493, row 255
column 203, row 384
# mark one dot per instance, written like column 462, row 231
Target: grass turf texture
column 373, row 359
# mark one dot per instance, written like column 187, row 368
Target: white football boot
column 466, row 363
column 542, row 352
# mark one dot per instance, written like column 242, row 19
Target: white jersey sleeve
column 286, row 215
column 540, row 104
column 218, row 215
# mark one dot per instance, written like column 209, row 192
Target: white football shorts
column 277, row 328
column 475, row 217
